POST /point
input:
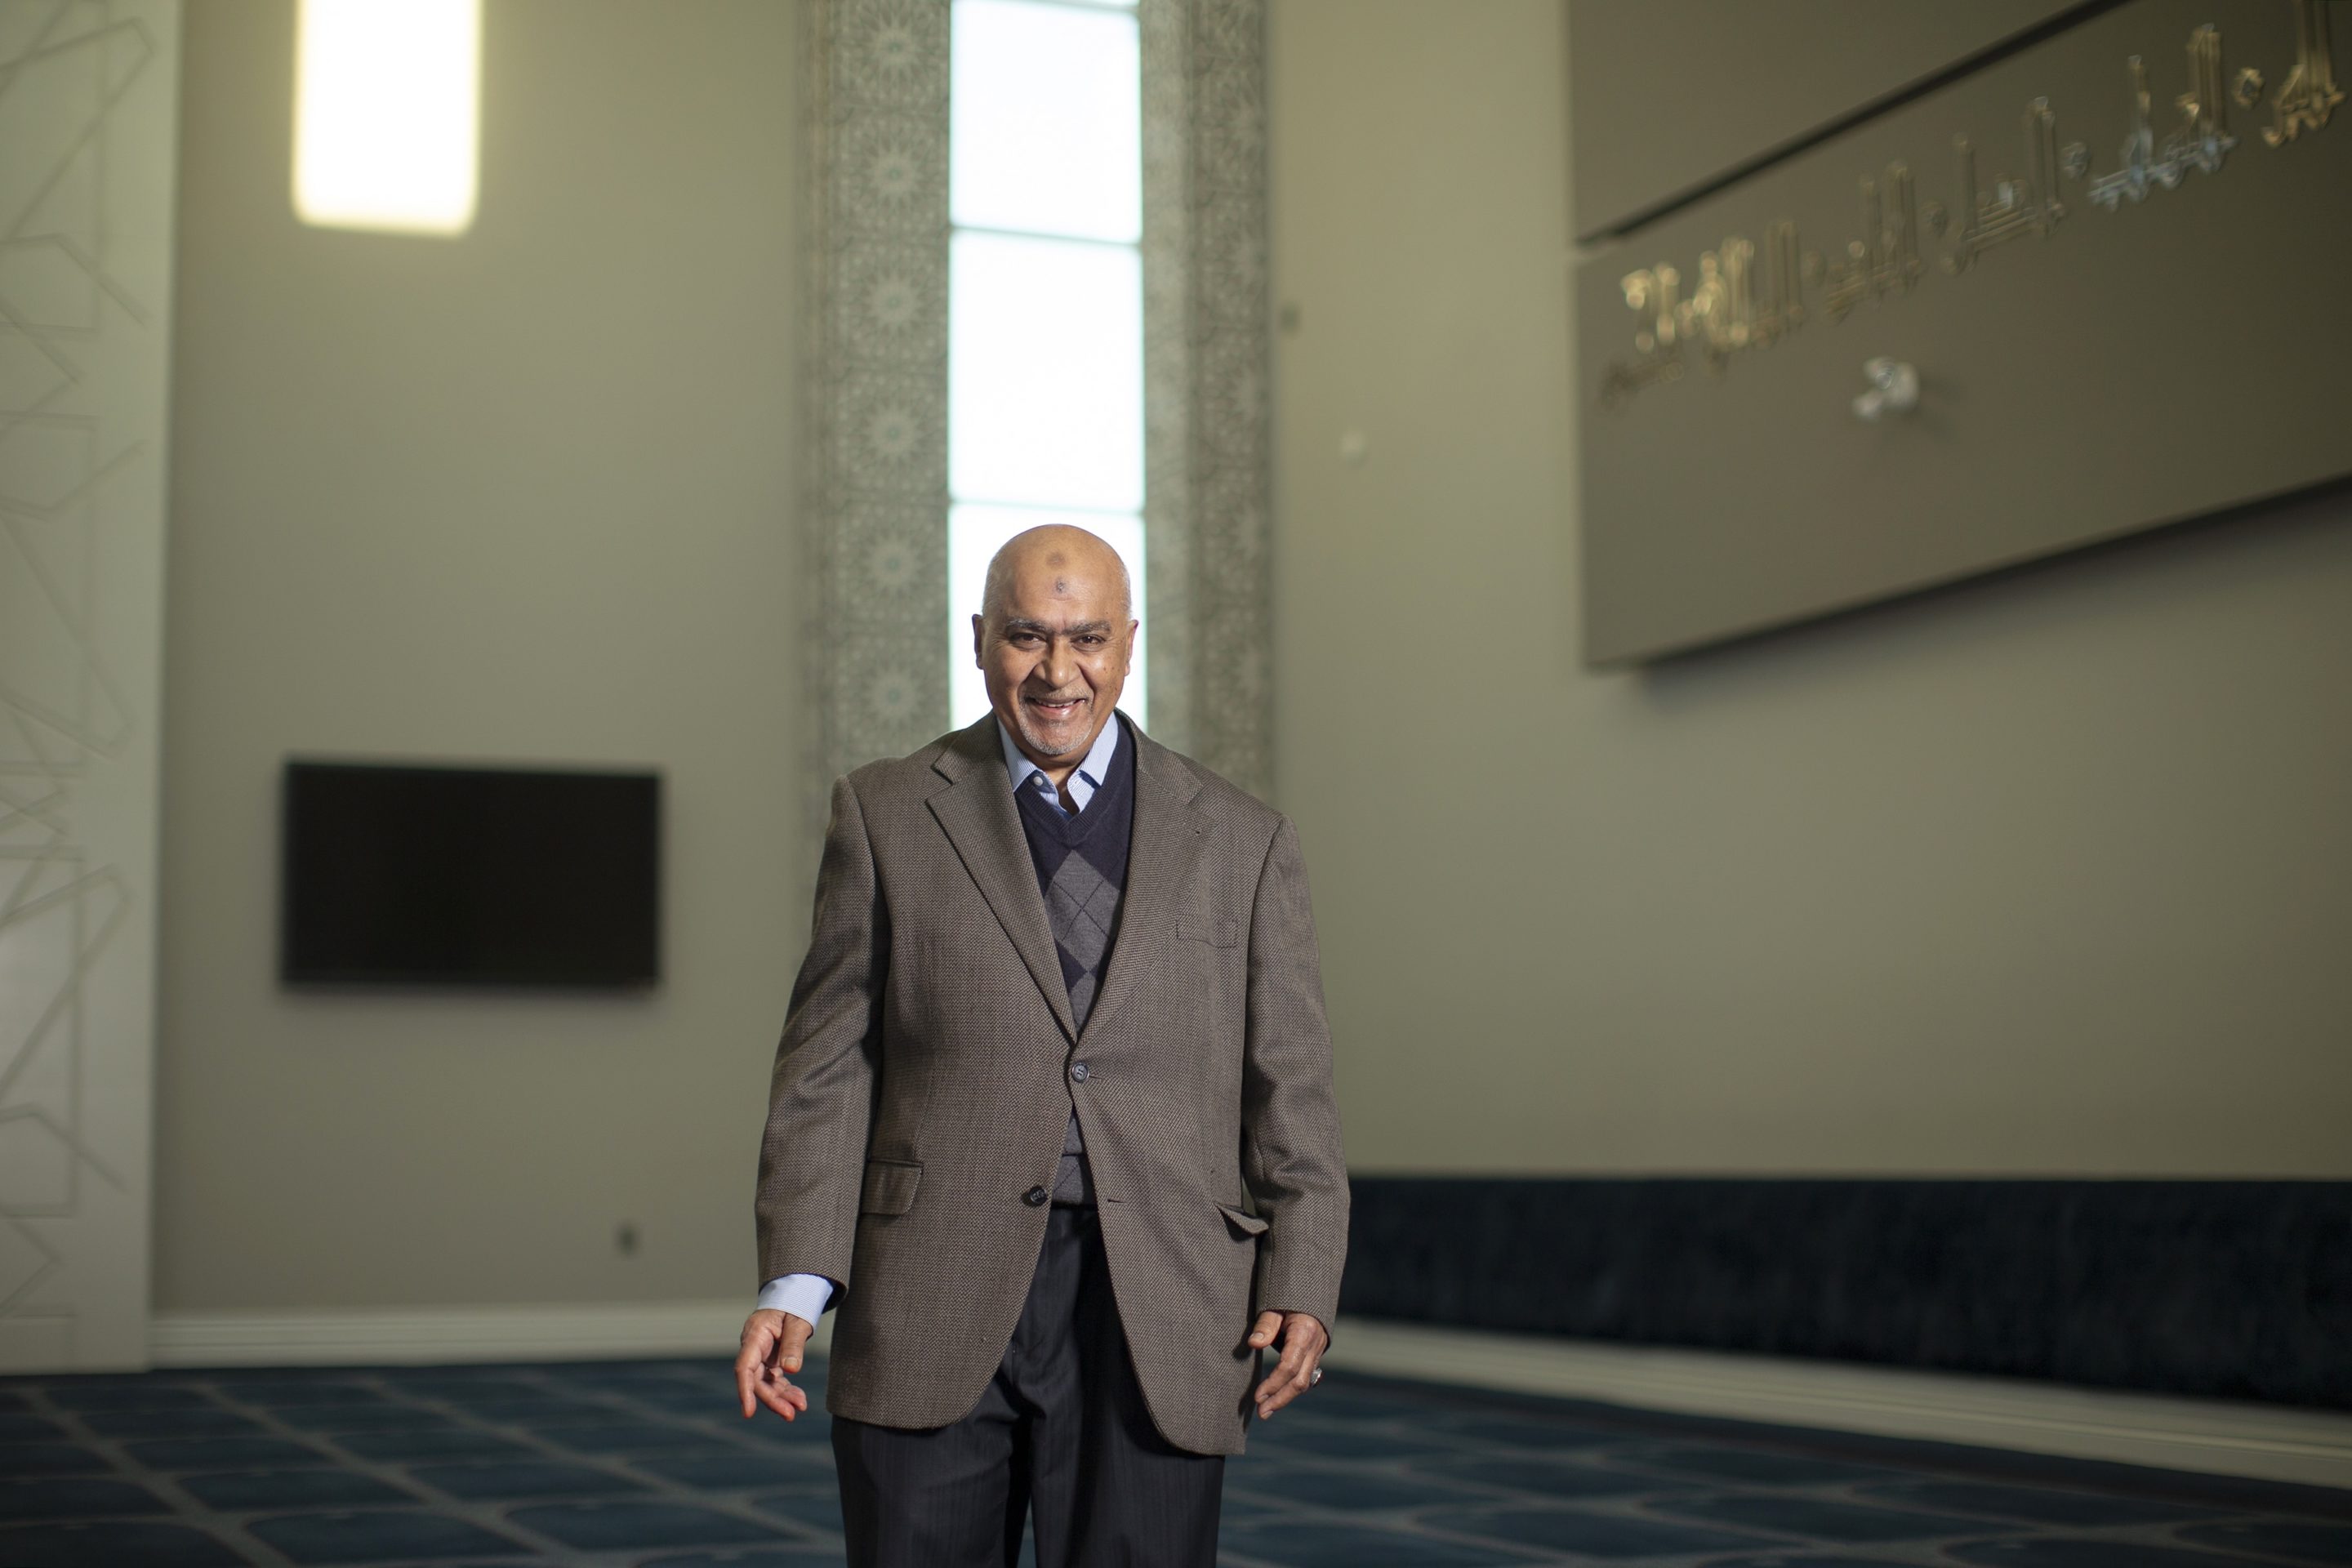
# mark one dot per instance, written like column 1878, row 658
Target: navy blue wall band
column 2242, row 1289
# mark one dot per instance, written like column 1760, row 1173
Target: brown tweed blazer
column 923, row 1082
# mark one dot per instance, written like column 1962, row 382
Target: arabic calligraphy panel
column 2085, row 369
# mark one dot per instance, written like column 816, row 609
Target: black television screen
column 447, row 876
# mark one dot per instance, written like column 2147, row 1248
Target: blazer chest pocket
column 889, row 1187
column 1216, row 932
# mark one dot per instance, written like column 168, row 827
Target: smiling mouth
column 1063, row 709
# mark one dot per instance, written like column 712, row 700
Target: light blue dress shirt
column 806, row 1296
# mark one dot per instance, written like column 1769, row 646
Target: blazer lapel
column 977, row 813
column 1164, row 848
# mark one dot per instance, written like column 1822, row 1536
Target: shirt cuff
column 804, row 1296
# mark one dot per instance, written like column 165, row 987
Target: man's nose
column 1058, row 666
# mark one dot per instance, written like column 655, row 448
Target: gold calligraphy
column 2201, row 141
column 1885, row 259
column 2309, row 94
column 1747, row 297
column 2010, row 208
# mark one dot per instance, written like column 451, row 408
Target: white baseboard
column 2218, row 1437
column 418, row 1335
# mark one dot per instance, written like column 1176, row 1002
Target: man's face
column 1054, row 653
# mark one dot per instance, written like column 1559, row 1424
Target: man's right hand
column 773, row 1343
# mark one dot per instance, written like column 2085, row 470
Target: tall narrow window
column 386, row 114
column 1044, row 296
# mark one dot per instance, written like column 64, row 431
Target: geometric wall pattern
column 88, row 91
column 874, row 347
column 875, row 373
column 1208, row 475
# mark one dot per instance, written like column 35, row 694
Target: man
column 1051, row 1116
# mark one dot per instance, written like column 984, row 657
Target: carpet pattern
column 646, row 1465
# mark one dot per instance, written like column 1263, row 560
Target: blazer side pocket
column 1246, row 1224
column 1220, row 932
column 889, row 1187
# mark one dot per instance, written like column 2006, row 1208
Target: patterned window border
column 874, row 202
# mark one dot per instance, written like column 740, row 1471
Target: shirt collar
column 1093, row 768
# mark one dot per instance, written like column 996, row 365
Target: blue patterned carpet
column 645, row 1462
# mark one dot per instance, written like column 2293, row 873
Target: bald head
column 1059, row 558
column 1056, row 627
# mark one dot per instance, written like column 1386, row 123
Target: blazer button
column 1035, row 1197
column 1078, row 1071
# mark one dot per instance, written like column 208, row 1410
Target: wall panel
column 1670, row 96
column 2089, row 369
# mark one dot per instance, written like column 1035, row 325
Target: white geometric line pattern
column 86, row 115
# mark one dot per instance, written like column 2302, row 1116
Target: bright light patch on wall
column 387, row 109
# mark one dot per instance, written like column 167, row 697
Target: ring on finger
column 1316, row 1376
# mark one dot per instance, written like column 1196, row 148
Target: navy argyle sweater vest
column 1081, row 864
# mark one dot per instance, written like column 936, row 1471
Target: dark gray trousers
column 1062, row 1431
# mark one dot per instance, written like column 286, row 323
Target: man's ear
column 977, row 623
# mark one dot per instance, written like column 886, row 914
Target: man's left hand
column 1303, row 1340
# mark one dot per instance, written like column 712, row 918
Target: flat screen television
column 409, row 874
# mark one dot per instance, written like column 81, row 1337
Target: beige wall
column 521, row 496
column 2044, row 875
column 2049, row 874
